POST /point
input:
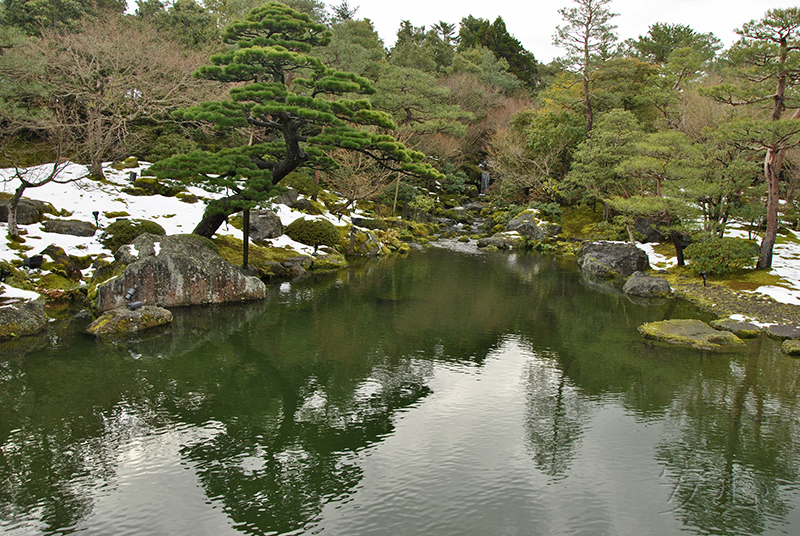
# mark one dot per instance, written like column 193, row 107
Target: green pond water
column 446, row 393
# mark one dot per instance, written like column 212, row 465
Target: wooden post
column 246, row 244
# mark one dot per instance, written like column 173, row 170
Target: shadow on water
column 297, row 386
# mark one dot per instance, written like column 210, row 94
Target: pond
column 446, row 393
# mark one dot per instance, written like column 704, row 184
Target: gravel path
column 723, row 302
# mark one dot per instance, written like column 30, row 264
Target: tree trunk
column 588, row 102
column 676, row 241
column 772, row 163
column 210, row 223
column 13, row 230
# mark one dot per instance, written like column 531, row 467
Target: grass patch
column 230, row 249
column 577, row 221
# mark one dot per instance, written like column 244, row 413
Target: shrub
column 123, row 232
column 721, row 256
column 313, row 232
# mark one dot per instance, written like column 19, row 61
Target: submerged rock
column 175, row 271
column 693, row 333
column 647, row 286
column 612, row 259
column 122, row 320
column 22, row 317
column 743, row 330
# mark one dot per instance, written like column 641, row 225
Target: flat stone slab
column 122, row 320
column 782, row 332
column 694, row 333
column 791, row 347
column 743, row 330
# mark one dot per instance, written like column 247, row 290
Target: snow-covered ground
column 83, row 196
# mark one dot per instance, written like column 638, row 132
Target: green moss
column 123, row 232
column 230, row 249
column 128, row 163
column 113, row 215
column 689, row 333
column 203, row 240
column 313, row 232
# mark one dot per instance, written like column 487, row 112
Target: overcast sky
column 534, row 23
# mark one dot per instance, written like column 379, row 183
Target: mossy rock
column 313, row 232
column 329, row 261
column 123, row 321
column 125, row 231
column 187, row 197
column 694, row 333
column 791, row 347
column 128, row 163
column 743, row 330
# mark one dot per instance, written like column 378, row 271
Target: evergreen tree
column 34, row 16
column 766, row 72
column 292, row 105
column 587, row 38
column 475, row 32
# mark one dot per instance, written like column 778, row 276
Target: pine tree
column 293, row 105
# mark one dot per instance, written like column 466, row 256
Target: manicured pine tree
column 294, row 107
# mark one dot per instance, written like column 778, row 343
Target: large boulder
column 612, row 259
column 123, row 321
column 695, row 333
column 173, row 271
column 364, row 243
column 507, row 240
column 20, row 317
column 69, row 227
column 645, row 286
column 28, row 210
column 264, row 224
column 527, row 223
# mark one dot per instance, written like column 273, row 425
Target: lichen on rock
column 121, row 321
column 687, row 332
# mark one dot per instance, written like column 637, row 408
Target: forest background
column 668, row 126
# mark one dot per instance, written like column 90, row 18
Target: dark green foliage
column 495, row 37
column 125, row 231
column 664, row 38
column 292, row 127
column 552, row 211
column 373, row 224
column 405, row 193
column 721, row 256
column 313, row 232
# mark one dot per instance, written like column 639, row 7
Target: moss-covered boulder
column 175, row 270
column 507, row 240
column 530, row 224
column 364, row 243
column 20, row 317
column 791, row 347
column 743, row 330
column 695, row 333
column 124, row 231
column 123, row 321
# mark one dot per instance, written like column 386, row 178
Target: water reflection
column 488, row 383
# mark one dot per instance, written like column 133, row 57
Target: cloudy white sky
column 533, row 23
